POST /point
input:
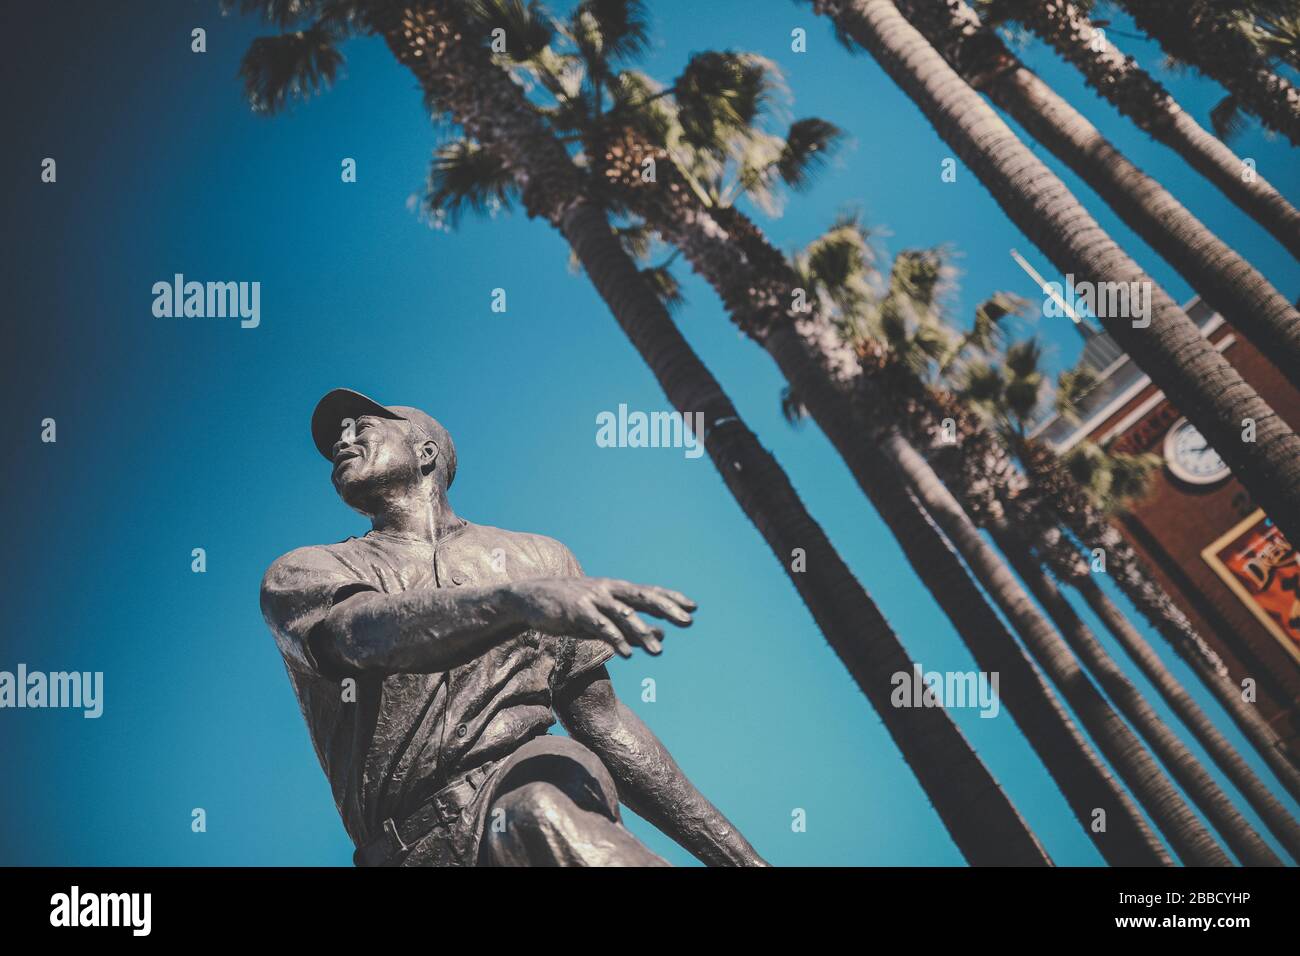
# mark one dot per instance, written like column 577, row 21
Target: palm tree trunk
column 1269, row 808
column 993, row 490
column 1144, row 100
column 893, row 388
column 757, row 286
column 1170, row 349
column 1189, row 838
column 1222, row 54
column 1172, row 752
column 1139, row 585
column 1083, row 779
column 977, row 813
column 1224, row 279
column 1028, row 506
column 461, row 80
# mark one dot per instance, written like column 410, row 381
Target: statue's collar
column 412, row 539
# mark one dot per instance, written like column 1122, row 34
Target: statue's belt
column 442, row 809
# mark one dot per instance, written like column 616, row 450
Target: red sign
column 1263, row 570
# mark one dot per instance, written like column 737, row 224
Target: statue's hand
column 603, row 608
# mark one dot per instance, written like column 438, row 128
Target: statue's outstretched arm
column 424, row 631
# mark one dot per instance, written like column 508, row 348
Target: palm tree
column 911, row 327
column 1271, row 810
column 1173, row 753
column 1010, row 394
column 458, row 78
column 1051, row 493
column 754, row 298
column 1222, row 277
column 1247, row 843
column 1144, row 100
column 1170, row 349
column 758, row 285
column 1079, row 493
column 971, row 458
column 1189, row 838
column 1085, row 781
column 1211, row 38
column 1068, row 503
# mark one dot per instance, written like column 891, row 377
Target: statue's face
column 379, row 458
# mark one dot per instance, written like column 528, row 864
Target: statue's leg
column 538, row 823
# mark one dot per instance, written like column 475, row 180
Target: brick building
column 1211, row 547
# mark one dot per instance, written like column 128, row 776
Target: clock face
column 1190, row 457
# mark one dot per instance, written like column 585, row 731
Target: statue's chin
column 353, row 494
column 366, row 492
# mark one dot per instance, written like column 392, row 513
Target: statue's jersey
column 390, row 745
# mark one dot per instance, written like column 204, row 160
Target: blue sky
column 175, row 434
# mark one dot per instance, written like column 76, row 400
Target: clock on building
column 1189, row 456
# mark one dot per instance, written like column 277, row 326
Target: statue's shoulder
column 548, row 555
column 312, row 559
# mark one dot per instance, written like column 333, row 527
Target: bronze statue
column 432, row 655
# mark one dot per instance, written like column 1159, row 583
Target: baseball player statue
column 431, row 656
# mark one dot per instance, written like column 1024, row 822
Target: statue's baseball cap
column 343, row 403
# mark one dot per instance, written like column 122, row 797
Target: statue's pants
column 481, row 813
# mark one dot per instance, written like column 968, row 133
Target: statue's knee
column 536, row 806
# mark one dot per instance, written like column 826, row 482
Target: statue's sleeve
column 298, row 591
column 578, row 655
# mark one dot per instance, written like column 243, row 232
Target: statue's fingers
column 678, row 598
column 636, row 630
column 598, row 624
column 655, row 601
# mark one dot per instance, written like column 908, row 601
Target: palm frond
column 465, row 176
column 1023, row 393
column 1111, row 480
column 756, row 157
column 1000, row 305
column 1086, row 464
column 665, row 286
column 1227, row 118
column 276, row 69
column 561, row 74
column 1130, row 478
column 721, row 92
column 809, row 145
column 640, row 102
column 842, row 262
column 1072, row 386
column 922, row 276
column 527, row 28
column 623, row 27
column 1023, row 357
column 986, row 333
column 1277, row 33
column 981, row 384
column 636, row 239
column 930, row 343
column 792, row 407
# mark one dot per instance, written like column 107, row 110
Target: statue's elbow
column 344, row 647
